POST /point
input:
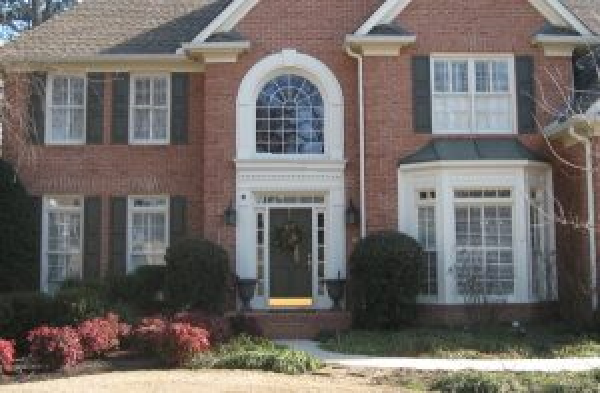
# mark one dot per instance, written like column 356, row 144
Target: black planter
column 246, row 288
column 336, row 288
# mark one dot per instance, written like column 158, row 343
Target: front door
column 290, row 252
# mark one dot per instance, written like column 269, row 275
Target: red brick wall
column 204, row 170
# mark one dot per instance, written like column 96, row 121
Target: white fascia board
column 553, row 10
column 468, row 164
column 227, row 19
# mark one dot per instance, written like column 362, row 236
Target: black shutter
column 118, row 235
column 120, row 110
column 95, row 109
column 37, row 103
column 37, row 219
column 178, row 219
column 421, row 75
column 92, row 238
column 525, row 88
column 179, row 108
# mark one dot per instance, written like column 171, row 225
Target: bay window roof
column 442, row 149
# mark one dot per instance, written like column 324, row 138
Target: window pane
column 60, row 91
column 60, row 124
column 482, row 76
column 77, row 126
column 441, row 77
column 160, row 92
column 500, row 81
column 460, row 77
column 77, row 91
column 142, row 91
column 160, row 125
column 141, row 124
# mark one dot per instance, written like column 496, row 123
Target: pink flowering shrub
column 55, row 347
column 7, row 356
column 174, row 343
column 99, row 336
column 219, row 328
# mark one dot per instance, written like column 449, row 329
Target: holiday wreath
column 288, row 237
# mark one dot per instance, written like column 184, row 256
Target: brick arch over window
column 290, row 62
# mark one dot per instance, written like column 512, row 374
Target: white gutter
column 587, row 143
column 361, row 121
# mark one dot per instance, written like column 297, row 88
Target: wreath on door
column 287, row 239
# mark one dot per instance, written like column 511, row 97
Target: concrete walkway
column 545, row 365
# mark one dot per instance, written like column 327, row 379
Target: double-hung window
column 484, row 242
column 473, row 95
column 66, row 100
column 150, row 109
column 63, row 240
column 148, row 231
column 426, row 228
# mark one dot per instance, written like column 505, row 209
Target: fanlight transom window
column 290, row 117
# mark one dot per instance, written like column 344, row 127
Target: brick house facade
column 173, row 131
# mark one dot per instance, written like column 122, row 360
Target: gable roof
column 160, row 27
column 561, row 13
column 441, row 149
column 116, row 27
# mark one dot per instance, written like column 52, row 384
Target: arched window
column 290, row 117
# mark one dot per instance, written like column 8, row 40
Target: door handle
column 309, row 259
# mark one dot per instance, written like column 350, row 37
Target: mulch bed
column 26, row 371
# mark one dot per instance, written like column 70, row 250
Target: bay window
column 473, row 95
column 148, row 231
column 66, row 100
column 150, row 114
column 62, row 241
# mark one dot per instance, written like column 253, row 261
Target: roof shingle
column 96, row 27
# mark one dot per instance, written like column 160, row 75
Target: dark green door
column 290, row 259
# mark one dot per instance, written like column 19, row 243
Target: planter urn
column 336, row 288
column 246, row 288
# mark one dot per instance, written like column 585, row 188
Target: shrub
column 198, row 276
column 55, row 348
column 219, row 328
column 181, row 342
column 23, row 311
column 386, row 266
column 477, row 382
column 7, row 355
column 140, row 288
column 75, row 304
column 19, row 234
column 101, row 335
column 175, row 344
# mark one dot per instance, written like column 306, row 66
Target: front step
column 300, row 324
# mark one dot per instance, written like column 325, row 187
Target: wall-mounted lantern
column 352, row 214
column 230, row 215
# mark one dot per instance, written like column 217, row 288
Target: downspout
column 591, row 211
column 361, row 121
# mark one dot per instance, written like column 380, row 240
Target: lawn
column 485, row 343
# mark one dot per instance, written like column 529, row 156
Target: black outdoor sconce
column 230, row 215
column 352, row 214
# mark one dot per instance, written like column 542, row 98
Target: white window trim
column 49, row 106
column 471, row 58
column 132, row 106
column 131, row 209
column 44, row 274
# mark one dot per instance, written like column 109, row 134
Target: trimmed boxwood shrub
column 198, row 276
column 385, row 280
column 23, row 311
column 140, row 288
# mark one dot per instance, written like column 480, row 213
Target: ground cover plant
column 252, row 353
column 492, row 382
column 489, row 342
